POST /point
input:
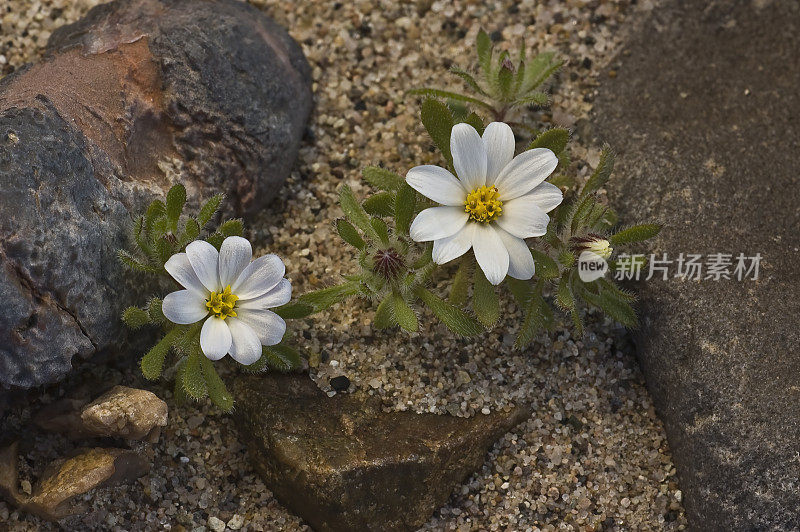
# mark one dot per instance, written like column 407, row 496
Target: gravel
column 593, row 456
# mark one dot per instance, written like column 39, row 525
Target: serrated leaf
column 294, row 311
column 403, row 313
column 620, row 311
column 349, row 234
column 636, row 233
column 453, row 317
column 601, row 174
column 485, row 302
column 217, row 391
column 438, row 122
column 327, row 297
column 355, row 212
column 384, row 315
column 468, row 79
column 546, row 267
column 555, row 140
column 134, row 317
column 209, row 209
column 405, row 202
column 380, row 204
column 459, row 290
column 617, row 292
column 282, row 358
column 176, row 199
column 194, row 382
column 382, row 178
column 483, row 45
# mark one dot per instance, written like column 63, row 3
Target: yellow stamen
column 483, row 204
column 221, row 304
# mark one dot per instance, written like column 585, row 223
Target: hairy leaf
column 555, row 140
column 459, row 290
column 381, row 229
column 176, row 199
column 485, row 302
column 637, row 233
column 217, row 391
column 382, row 178
column 438, row 121
column 327, row 297
column 355, row 212
column 403, row 313
column 282, row 358
column 152, row 363
column 132, row 263
column 468, row 79
column 405, row 202
column 380, row 204
column 294, row 311
column 546, row 267
column 349, row 234
column 384, row 315
column 436, row 93
column 194, row 382
column 209, row 209
column 233, row 227
column 454, row 318
column 484, row 48
column 601, row 174
column 134, row 317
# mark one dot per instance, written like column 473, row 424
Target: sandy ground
column 594, row 455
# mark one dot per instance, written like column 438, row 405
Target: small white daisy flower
column 232, row 294
column 496, row 201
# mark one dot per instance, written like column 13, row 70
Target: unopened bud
column 594, row 243
column 388, row 263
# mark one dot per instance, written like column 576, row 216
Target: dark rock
column 705, row 116
column 137, row 95
column 342, row 464
column 67, row 478
column 340, row 383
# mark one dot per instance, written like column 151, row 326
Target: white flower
column 232, row 294
column 496, row 202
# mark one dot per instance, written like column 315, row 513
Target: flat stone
column 342, row 464
column 705, row 115
column 136, row 96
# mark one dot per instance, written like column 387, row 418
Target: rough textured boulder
column 137, row 95
column 705, row 115
column 342, row 464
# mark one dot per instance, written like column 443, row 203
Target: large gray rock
column 342, row 464
column 705, row 115
column 137, row 95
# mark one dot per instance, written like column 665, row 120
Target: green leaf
column 562, row 181
column 382, row 178
column 580, row 214
column 566, row 258
column 194, row 382
column 132, row 263
column 384, row 315
column 616, row 292
column 176, row 199
column 282, row 358
column 637, row 233
column 191, row 230
column 555, row 140
column 535, row 98
column 538, row 316
column 484, row 48
column 381, row 229
column 436, row 93
column 233, row 227
column 521, row 290
column 217, row 391
column 349, row 234
column 178, row 393
column 459, row 291
column 156, row 210
column 215, row 239
column 154, row 311
column 403, row 313
column 134, row 317
column 475, row 121
column 164, row 249
column 454, row 318
column 619, row 310
column 327, row 297
column 209, row 209
column 380, row 204
column 564, row 296
column 355, row 212
column 546, row 267
column 539, row 69
column 601, row 174
column 294, row 311
column 152, row 363
column 438, row 121
column 405, row 202
column 505, row 79
column 485, row 302
column 468, row 79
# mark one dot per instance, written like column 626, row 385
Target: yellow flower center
column 221, row 304
column 483, row 204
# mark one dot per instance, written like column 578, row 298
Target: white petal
column 184, row 307
column 520, row 260
column 524, row 172
column 268, row 326
column 452, row 247
column 499, row 141
column 245, row 347
column 215, row 338
column 204, row 258
column 490, row 253
column 547, row 196
column 438, row 222
column 179, row 267
column 469, row 156
column 523, row 218
column 437, row 184
column 279, row 295
column 235, row 254
column 259, row 277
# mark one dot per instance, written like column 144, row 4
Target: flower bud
column 594, row 243
column 388, row 263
